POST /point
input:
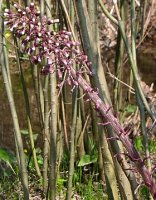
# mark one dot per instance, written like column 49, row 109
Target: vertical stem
column 27, row 106
column 72, row 147
column 119, row 72
column 64, row 123
column 53, row 135
column 110, row 178
column 119, row 64
column 133, row 30
column 42, row 7
column 22, row 166
column 46, row 135
column 80, row 130
column 53, row 131
column 144, row 131
column 37, row 89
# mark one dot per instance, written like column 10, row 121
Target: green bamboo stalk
column 38, row 93
column 80, row 132
column 143, row 7
column 53, row 136
column 72, row 147
column 110, row 178
column 133, row 30
column 41, row 100
column 131, row 80
column 46, row 135
column 71, row 12
column 64, row 123
column 7, row 65
column 144, row 134
column 42, row 7
column 6, row 54
column 101, row 166
column 117, row 101
column 60, row 144
column 27, row 106
column 17, row 153
column 22, row 166
column 53, row 128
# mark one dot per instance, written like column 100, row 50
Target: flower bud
column 6, row 10
column 16, row 6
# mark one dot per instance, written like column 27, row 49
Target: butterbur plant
column 61, row 54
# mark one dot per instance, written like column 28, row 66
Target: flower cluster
column 58, row 48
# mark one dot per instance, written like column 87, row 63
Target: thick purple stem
column 109, row 118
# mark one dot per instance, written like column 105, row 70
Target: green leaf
column 138, row 143
column 40, row 160
column 7, row 34
column 7, row 157
column 130, row 108
column 61, row 181
column 24, row 132
column 152, row 146
column 87, row 159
